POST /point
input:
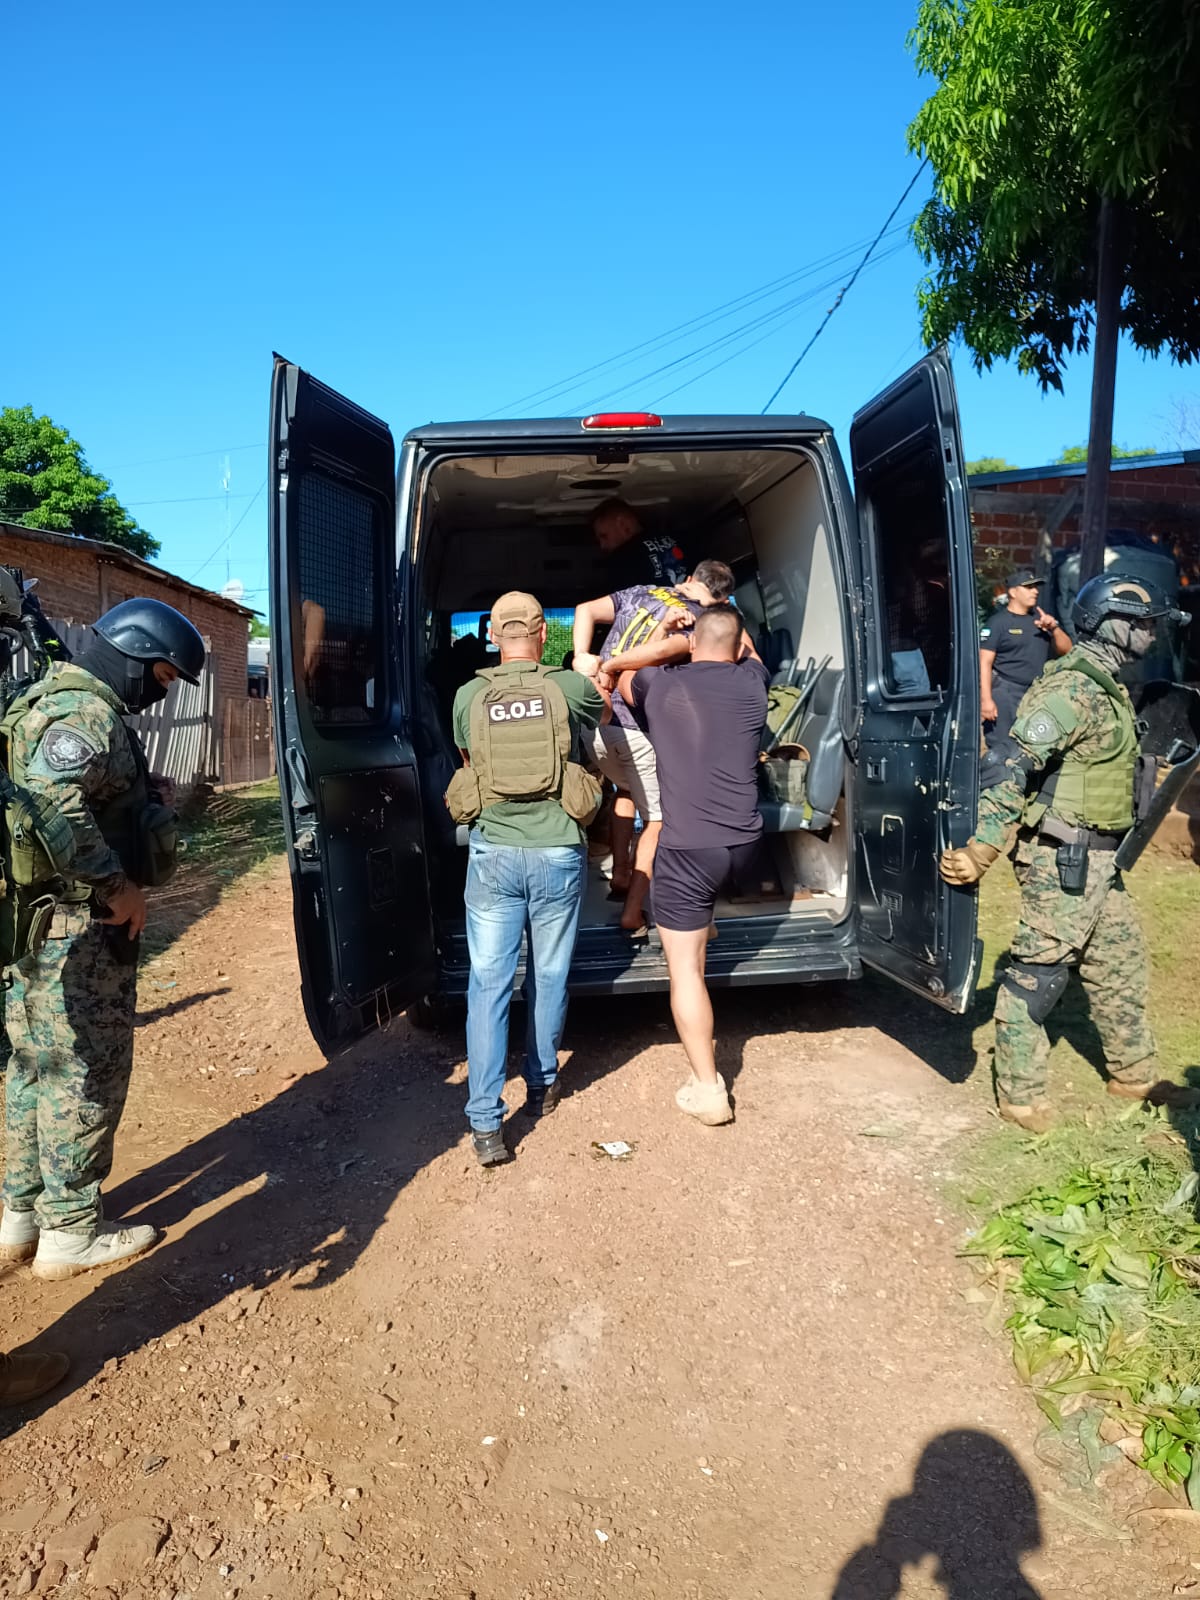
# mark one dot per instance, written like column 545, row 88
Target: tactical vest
column 134, row 824
column 521, row 747
column 1094, row 791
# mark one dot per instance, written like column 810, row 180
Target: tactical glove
column 968, row 863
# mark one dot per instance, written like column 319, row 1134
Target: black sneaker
column 490, row 1148
column 541, row 1102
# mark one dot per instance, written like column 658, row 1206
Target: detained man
column 705, row 721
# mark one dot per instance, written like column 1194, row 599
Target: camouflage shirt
column 1060, row 712
column 73, row 748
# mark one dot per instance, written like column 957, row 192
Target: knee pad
column 1039, row 986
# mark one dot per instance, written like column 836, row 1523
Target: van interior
column 489, row 523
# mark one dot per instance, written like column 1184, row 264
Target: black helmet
column 1120, row 594
column 149, row 631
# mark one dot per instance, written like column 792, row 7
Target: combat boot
column 490, row 1148
column 65, row 1255
column 707, row 1102
column 18, row 1235
column 25, row 1376
column 1037, row 1118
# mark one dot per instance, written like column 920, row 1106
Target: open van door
column 916, row 786
column 347, row 774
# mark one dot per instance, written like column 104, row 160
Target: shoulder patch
column 1040, row 728
column 65, row 749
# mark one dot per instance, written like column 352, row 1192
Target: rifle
column 23, row 625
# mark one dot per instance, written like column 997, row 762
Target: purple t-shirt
column 637, row 613
column 705, row 721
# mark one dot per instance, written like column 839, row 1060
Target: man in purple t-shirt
column 705, row 721
column 635, row 639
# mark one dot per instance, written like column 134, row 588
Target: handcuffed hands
column 586, row 663
column 967, row 863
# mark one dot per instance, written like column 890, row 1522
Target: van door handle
column 877, row 769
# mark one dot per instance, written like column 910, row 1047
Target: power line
column 186, row 500
column 844, row 291
column 192, row 455
column 208, row 562
column 560, row 387
column 772, row 320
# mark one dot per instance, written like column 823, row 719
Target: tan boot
column 1156, row 1092
column 1037, row 1118
column 25, row 1376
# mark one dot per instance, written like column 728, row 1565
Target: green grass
column 237, row 830
column 1086, row 1239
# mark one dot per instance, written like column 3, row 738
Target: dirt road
column 357, row 1365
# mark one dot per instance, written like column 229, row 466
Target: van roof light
column 623, row 419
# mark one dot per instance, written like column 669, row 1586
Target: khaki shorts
column 626, row 757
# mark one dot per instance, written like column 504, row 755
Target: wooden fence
column 247, row 744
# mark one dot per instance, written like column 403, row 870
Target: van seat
column 823, row 781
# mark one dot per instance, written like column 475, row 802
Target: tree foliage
column 989, row 464
column 1043, row 107
column 1075, row 455
column 260, row 628
column 45, row 482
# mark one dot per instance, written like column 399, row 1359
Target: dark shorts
column 685, row 883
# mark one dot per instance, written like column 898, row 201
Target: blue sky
column 440, row 210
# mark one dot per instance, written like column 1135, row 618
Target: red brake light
column 623, row 419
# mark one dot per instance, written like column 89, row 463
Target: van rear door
column 918, row 739
column 347, row 773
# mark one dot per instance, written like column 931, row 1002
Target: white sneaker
column 707, row 1102
column 65, row 1255
column 18, row 1235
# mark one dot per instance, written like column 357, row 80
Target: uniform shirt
column 531, row 824
column 1063, row 711
column 74, row 751
column 705, row 721
column 1021, row 648
column 650, row 558
column 637, row 612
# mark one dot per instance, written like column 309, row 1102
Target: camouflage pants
column 70, row 1015
column 1097, row 933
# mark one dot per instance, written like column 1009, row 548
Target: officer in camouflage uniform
column 1069, row 783
column 70, row 1010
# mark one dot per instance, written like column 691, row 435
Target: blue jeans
column 511, row 891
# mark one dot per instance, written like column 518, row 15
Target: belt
column 1089, row 836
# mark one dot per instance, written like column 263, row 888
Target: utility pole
column 1094, row 524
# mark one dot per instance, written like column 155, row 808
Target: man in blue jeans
column 518, row 726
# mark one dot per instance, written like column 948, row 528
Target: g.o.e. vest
column 1093, row 790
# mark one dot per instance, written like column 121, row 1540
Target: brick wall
column 78, row 580
column 1016, row 516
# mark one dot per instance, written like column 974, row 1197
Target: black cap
column 1022, row 577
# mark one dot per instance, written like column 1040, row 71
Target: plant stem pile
column 1097, row 1271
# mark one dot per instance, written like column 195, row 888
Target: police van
column 382, row 572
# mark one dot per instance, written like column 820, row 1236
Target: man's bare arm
column 588, row 617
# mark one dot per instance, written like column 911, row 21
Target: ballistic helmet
column 1118, row 594
column 150, row 631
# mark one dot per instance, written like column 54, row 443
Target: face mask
column 1141, row 641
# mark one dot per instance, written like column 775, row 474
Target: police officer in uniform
column 70, row 1009
column 528, row 800
column 1014, row 645
column 1069, row 784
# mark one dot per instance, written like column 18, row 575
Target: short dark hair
column 716, row 577
column 718, row 628
column 609, row 507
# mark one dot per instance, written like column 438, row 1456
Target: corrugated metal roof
column 118, row 557
column 1059, row 469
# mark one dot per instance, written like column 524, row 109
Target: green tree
column 989, row 464
column 1075, row 455
column 1062, row 138
column 260, row 628
column 45, row 482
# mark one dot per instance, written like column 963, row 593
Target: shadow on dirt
column 971, row 1509
column 227, row 835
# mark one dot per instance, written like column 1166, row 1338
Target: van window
column 559, row 624
column 340, row 598
column 907, row 512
